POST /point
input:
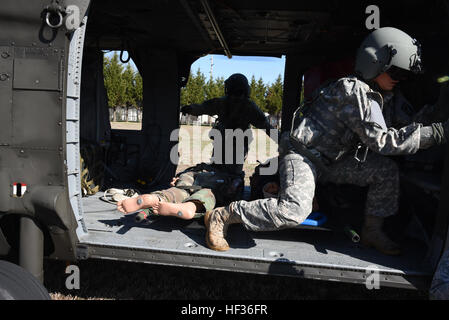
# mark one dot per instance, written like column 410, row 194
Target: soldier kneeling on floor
column 341, row 136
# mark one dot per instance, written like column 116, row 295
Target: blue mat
column 315, row 219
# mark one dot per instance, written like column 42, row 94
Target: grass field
column 195, row 146
column 104, row 279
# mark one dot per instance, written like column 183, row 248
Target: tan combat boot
column 373, row 236
column 217, row 222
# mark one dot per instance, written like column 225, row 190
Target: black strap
column 192, row 187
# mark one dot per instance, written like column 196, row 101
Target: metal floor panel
column 167, row 240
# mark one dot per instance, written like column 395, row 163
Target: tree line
column 267, row 96
column 124, row 88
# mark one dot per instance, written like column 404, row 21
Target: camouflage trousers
column 298, row 177
column 204, row 196
column 439, row 290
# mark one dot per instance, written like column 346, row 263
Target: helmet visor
column 398, row 74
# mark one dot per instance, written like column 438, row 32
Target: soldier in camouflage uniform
column 439, row 289
column 198, row 189
column 234, row 111
column 330, row 139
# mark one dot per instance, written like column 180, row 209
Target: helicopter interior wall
column 133, row 155
column 161, row 96
column 94, row 111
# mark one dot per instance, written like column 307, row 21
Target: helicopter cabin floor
column 318, row 253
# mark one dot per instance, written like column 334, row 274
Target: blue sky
column 267, row 68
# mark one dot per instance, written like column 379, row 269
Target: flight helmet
column 388, row 50
column 237, row 84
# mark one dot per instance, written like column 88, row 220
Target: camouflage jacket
column 337, row 120
column 232, row 113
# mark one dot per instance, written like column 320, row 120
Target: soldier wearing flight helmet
column 341, row 136
column 234, row 111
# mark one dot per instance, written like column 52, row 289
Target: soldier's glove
column 186, row 109
column 440, row 131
